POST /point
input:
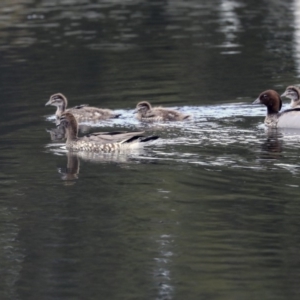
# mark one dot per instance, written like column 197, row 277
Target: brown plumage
column 81, row 112
column 145, row 112
column 292, row 92
column 102, row 141
column 289, row 118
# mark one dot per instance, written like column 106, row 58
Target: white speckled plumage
column 100, row 142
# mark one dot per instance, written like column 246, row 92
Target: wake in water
column 218, row 135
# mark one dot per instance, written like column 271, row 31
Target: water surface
column 208, row 211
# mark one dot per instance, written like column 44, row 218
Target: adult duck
column 289, row 118
column 102, row 141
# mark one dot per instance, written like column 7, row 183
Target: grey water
column 208, row 211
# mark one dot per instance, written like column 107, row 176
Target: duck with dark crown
column 145, row 112
column 289, row 118
column 293, row 92
column 102, row 141
column 81, row 112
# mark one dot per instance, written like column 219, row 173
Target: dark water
column 209, row 211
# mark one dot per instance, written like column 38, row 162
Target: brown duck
column 289, row 118
column 81, row 112
column 145, row 112
column 102, row 141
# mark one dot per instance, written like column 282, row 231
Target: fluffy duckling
column 145, row 112
column 81, row 112
column 286, row 119
column 293, row 92
column 100, row 142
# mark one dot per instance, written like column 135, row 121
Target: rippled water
column 208, row 211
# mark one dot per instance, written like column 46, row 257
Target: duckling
column 293, row 92
column 100, row 142
column 145, row 112
column 289, row 118
column 81, row 112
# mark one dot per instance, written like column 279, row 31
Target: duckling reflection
column 57, row 133
column 70, row 173
column 272, row 146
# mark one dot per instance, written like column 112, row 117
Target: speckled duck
column 100, row 142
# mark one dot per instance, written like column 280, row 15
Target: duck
column 145, row 112
column 81, row 112
column 102, row 141
column 293, row 92
column 289, row 118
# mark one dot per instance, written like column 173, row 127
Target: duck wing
column 114, row 136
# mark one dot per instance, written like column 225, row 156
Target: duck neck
column 60, row 109
column 71, row 133
column 272, row 111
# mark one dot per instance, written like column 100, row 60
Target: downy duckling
column 293, row 92
column 145, row 112
column 81, row 112
column 100, row 142
column 289, row 118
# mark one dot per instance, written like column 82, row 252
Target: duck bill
column 284, row 94
column 48, row 103
column 257, row 101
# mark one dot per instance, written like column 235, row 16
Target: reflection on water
column 296, row 42
column 208, row 211
column 71, row 171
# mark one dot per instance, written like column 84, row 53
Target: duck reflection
column 70, row 173
column 272, row 146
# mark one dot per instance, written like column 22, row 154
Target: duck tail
column 141, row 138
column 116, row 116
column 149, row 138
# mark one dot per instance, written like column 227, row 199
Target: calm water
column 209, row 211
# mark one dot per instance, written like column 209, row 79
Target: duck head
column 58, row 100
column 142, row 107
column 271, row 100
column 292, row 92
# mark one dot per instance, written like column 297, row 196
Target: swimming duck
column 145, row 112
column 289, row 118
column 293, row 92
column 102, row 141
column 81, row 112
